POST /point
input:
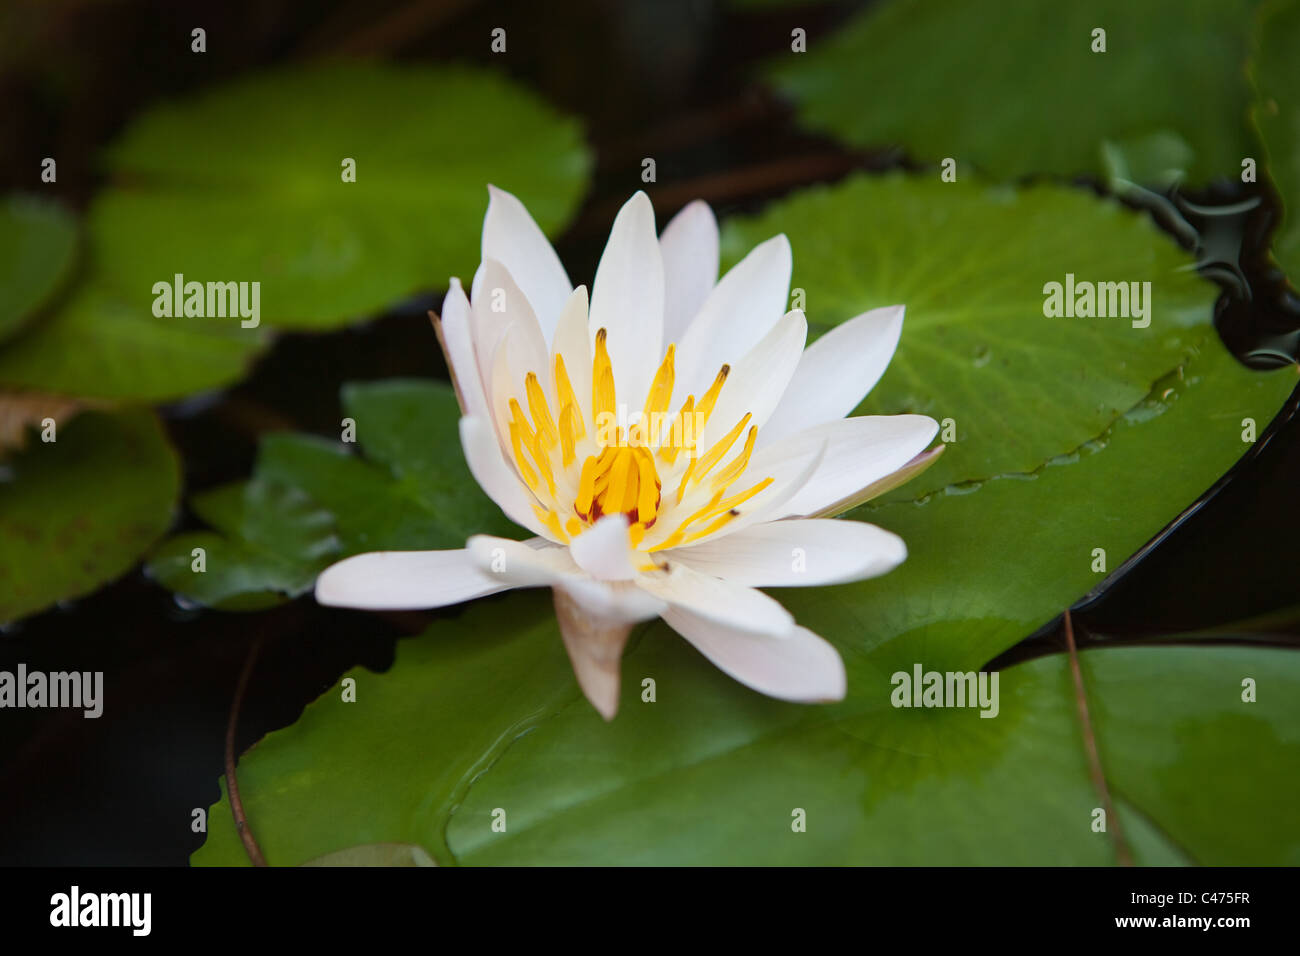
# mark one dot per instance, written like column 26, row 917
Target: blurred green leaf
column 1022, row 92
column 312, row 502
column 244, row 183
column 38, row 245
column 1276, row 73
column 970, row 262
column 96, row 346
column 77, row 512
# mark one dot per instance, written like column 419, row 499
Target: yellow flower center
column 625, row 469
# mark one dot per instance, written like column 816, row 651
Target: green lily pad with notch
column 78, row 512
column 1022, row 92
column 38, row 246
column 970, row 262
column 312, row 501
column 481, row 713
column 1276, row 113
column 245, row 183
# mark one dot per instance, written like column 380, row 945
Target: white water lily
column 672, row 446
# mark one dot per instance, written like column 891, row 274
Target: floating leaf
column 478, row 723
column 1276, row 73
column 1023, row 92
column 312, row 501
column 96, row 346
column 970, row 262
column 78, row 511
column 271, row 542
column 245, row 184
column 38, row 245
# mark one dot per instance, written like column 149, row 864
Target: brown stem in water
column 1090, row 745
column 232, row 783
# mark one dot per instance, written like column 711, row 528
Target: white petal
column 717, row 600
column 796, row 553
column 690, row 249
column 404, row 581
column 512, row 238
column 859, row 452
column 498, row 306
column 604, row 551
column 836, row 372
column 742, row 308
column 755, row 383
column 801, row 667
column 901, row 477
column 627, row 300
column 458, row 343
column 519, row 564
column 573, row 341
column 496, row 477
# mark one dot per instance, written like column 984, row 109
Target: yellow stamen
column 517, row 418
column 544, row 463
column 704, row 512
column 573, row 526
column 516, row 443
column 621, row 479
column 541, row 412
column 722, row 519
column 738, row 499
column 720, row 448
column 602, row 381
column 647, row 498
column 564, row 395
column 570, row 432
column 678, row 437
column 552, row 521
column 587, row 486
column 622, row 484
column 716, row 504
column 710, row 398
column 738, row 464
column 661, row 393
column 686, row 476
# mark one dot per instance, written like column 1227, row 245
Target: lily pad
column 415, row 757
column 98, row 346
column 79, row 511
column 38, row 245
column 1023, row 92
column 1276, row 73
column 970, row 262
column 272, row 541
column 246, row 183
column 481, row 714
column 312, row 501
